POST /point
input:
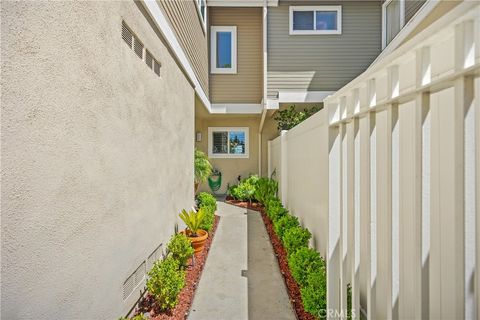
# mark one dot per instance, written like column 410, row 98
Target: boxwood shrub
column 208, row 203
column 180, row 248
column 284, row 223
column 303, row 262
column 314, row 294
column 296, row 238
column 166, row 280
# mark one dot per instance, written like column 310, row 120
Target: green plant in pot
column 203, row 168
column 193, row 220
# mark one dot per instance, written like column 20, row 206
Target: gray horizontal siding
column 411, row 7
column 322, row 62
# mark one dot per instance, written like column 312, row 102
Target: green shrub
column 266, row 189
column 246, row 189
column 314, row 294
column 205, row 199
column 303, row 262
column 180, row 248
column 296, row 238
column 137, row 317
column 275, row 210
column 165, row 282
column 284, row 223
column 209, row 219
column 208, row 203
column 289, row 118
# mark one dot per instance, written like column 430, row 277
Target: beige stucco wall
column 96, row 156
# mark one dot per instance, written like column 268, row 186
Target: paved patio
column 241, row 278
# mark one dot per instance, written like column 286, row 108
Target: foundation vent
column 127, row 35
column 134, row 280
column 154, row 256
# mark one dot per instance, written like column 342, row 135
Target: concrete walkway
column 241, row 278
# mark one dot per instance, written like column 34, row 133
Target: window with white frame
column 223, row 49
column 228, row 142
column 393, row 17
column 312, row 20
column 202, row 10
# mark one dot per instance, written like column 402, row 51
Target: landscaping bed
column 148, row 304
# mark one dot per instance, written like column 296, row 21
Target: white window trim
column 199, row 12
column 337, row 9
column 213, row 49
column 384, row 20
column 211, row 130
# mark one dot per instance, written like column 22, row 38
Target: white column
column 284, row 167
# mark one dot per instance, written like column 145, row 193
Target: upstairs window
column 393, row 16
column 223, row 49
column 311, row 20
column 230, row 142
column 202, row 11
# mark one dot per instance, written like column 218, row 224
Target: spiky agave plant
column 203, row 168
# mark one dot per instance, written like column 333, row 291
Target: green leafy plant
column 284, row 223
column 180, row 248
column 265, row 189
column 289, row 118
column 314, row 294
column 193, row 220
column 165, row 282
column 303, row 262
column 296, row 238
column 202, row 167
column 246, row 189
column 349, row 301
column 275, row 210
column 208, row 204
column 137, row 317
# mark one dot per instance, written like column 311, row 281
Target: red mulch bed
column 185, row 299
column 292, row 286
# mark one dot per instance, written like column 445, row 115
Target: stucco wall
column 96, row 156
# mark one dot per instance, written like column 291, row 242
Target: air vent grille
column 156, row 67
column 148, row 59
column 154, row 256
column 127, row 35
column 128, row 286
column 138, row 48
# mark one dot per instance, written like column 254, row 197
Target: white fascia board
column 302, row 96
column 236, row 108
column 161, row 22
column 241, row 3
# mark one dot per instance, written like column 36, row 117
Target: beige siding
column 411, row 7
column 322, row 62
column 185, row 21
column 246, row 85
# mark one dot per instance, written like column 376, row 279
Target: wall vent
column 154, row 256
column 149, row 59
column 134, row 280
column 156, row 67
column 138, row 48
column 127, row 35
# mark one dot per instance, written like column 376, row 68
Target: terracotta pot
column 198, row 243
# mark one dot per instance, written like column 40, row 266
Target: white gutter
column 162, row 24
column 264, row 101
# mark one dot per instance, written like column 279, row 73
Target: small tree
column 203, row 168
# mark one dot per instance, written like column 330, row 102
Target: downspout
column 264, row 111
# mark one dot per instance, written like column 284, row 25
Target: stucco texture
column 97, row 156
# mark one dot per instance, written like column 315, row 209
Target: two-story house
column 104, row 102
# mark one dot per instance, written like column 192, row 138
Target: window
column 228, row 142
column 393, row 15
column 202, row 11
column 223, row 49
column 306, row 20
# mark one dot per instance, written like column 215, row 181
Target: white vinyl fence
column 387, row 178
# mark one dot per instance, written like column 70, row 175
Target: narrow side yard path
column 241, row 279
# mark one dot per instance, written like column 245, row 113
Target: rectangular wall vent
column 154, row 256
column 138, row 48
column 156, row 67
column 127, row 35
column 148, row 59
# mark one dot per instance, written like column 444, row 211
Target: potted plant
column 203, row 168
column 193, row 220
